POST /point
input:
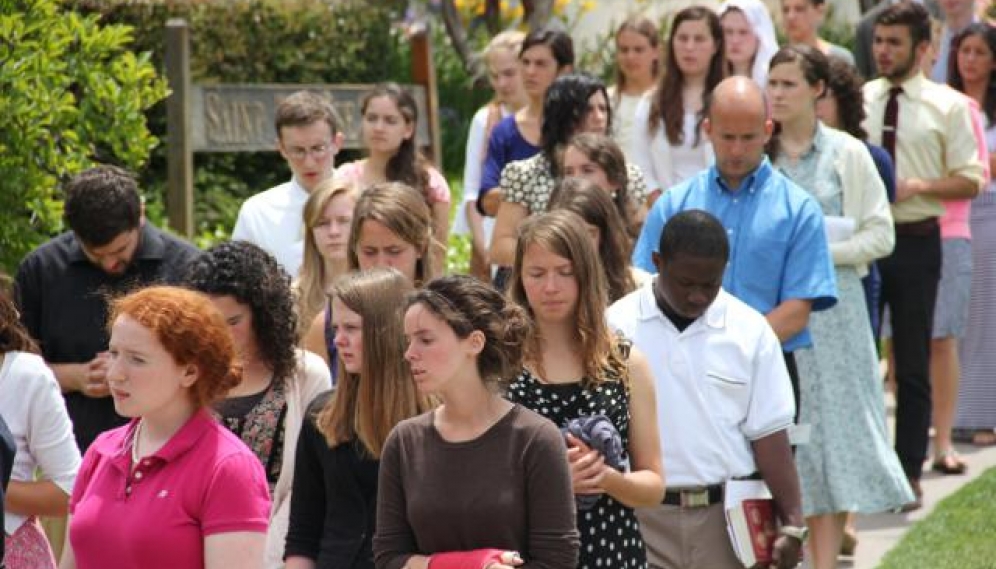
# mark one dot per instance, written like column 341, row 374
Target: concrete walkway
column 879, row 533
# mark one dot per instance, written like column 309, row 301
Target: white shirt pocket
column 727, row 396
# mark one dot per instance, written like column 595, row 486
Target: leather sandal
column 948, row 462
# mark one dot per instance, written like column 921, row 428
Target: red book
column 753, row 530
column 750, row 520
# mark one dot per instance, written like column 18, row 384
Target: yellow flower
column 469, row 7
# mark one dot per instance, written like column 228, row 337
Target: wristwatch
column 798, row 532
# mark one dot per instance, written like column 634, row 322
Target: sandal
column 948, row 462
column 984, row 438
column 849, row 542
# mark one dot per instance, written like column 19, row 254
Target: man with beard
column 927, row 130
column 62, row 287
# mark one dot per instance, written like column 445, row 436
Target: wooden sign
column 239, row 118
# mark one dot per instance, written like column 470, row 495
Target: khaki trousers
column 687, row 538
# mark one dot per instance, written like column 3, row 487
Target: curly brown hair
column 253, row 277
column 844, row 85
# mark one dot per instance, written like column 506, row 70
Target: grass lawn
column 959, row 534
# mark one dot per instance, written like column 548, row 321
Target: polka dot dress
column 610, row 533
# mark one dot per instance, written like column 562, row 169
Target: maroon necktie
column 891, row 123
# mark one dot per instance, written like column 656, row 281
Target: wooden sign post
column 239, row 117
column 179, row 152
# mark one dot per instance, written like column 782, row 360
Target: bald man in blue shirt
column 780, row 262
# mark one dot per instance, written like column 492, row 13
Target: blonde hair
column 367, row 405
column 310, row 286
column 510, row 40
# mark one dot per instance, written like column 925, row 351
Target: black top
column 62, row 297
column 333, row 500
column 610, row 532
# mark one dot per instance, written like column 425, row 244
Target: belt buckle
column 695, row 498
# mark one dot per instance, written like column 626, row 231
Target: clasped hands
column 589, row 473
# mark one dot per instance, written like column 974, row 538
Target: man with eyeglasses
column 62, row 287
column 308, row 137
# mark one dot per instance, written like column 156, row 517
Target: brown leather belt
column 921, row 228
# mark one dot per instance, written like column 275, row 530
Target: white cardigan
column 312, row 378
column 35, row 412
column 864, row 201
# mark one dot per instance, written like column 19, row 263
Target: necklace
column 134, row 443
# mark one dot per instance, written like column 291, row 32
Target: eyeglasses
column 299, row 153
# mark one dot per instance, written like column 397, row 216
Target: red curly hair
column 191, row 329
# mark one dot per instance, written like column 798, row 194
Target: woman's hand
column 417, row 562
column 509, row 560
column 588, row 469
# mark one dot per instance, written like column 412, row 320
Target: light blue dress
column 848, row 464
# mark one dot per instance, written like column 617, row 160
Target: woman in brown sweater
column 479, row 481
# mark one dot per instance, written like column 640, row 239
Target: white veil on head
column 759, row 18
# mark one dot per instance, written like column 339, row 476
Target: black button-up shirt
column 63, row 299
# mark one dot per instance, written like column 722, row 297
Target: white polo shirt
column 274, row 220
column 721, row 384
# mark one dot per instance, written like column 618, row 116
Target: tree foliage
column 71, row 95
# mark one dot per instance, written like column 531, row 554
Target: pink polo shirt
column 204, row 481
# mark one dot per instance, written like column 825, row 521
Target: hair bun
column 516, row 326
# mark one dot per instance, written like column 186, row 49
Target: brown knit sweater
column 509, row 489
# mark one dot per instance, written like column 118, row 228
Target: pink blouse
column 439, row 190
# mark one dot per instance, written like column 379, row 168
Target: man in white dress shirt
column 308, row 137
column 724, row 399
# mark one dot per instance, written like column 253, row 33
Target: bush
column 72, row 94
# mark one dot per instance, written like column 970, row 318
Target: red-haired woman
column 173, row 488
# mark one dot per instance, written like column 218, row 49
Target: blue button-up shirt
column 778, row 246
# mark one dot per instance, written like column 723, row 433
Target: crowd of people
column 678, row 282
